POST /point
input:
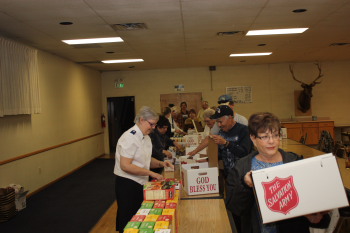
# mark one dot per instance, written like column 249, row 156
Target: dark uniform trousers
column 129, row 196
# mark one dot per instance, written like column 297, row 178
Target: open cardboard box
column 199, row 178
column 299, row 188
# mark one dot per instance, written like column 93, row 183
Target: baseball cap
column 222, row 110
column 224, row 99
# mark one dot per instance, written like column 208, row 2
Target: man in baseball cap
column 233, row 142
column 233, row 138
column 227, row 100
column 224, row 99
column 222, row 110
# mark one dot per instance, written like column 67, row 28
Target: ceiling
column 180, row 33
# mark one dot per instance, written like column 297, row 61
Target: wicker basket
column 7, row 204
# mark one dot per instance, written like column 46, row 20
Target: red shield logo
column 281, row 194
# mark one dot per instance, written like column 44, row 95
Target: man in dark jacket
column 233, row 139
column 233, row 142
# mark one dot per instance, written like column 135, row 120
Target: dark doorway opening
column 121, row 114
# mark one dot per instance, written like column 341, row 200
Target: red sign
column 281, row 194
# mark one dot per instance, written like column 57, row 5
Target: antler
column 291, row 70
column 320, row 75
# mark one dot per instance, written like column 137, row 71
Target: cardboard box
column 213, row 153
column 159, row 204
column 299, row 188
column 161, row 225
column 170, row 205
column 198, row 178
column 169, row 212
column 146, row 205
column 167, row 218
column 131, row 230
column 143, row 212
column 151, row 218
column 134, row 225
column 174, row 226
column 158, row 191
column 147, row 225
column 20, row 196
column 21, row 200
column 162, row 231
column 191, row 148
column 138, row 218
column 146, row 231
column 156, row 211
column 185, row 160
column 191, row 140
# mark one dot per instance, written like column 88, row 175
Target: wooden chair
column 303, row 139
column 326, row 142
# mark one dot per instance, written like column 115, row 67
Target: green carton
column 135, row 225
column 147, row 225
column 146, row 206
column 156, row 211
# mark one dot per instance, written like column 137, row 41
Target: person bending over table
column 264, row 130
column 214, row 129
column 171, row 115
column 161, row 142
column 209, row 123
column 132, row 165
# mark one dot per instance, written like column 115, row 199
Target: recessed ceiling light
column 230, row 33
column 123, row 61
column 261, row 44
column 276, row 31
column 109, row 52
column 249, row 54
column 94, row 40
column 339, row 44
column 66, row 23
column 299, row 10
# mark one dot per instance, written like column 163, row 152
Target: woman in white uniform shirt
column 132, row 163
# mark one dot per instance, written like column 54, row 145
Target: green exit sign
column 119, row 85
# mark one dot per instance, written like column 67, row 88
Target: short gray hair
column 146, row 113
column 208, row 113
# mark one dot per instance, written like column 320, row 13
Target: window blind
column 19, row 79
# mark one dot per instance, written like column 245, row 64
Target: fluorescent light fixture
column 123, row 61
column 94, row 40
column 249, row 54
column 276, row 31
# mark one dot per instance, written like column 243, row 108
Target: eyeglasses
column 267, row 137
column 151, row 124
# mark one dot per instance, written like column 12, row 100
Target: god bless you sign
column 299, row 188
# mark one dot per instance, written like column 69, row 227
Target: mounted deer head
column 304, row 98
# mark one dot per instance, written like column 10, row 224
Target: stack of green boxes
column 155, row 217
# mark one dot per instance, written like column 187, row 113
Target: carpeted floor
column 71, row 205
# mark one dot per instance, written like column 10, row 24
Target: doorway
column 121, row 114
